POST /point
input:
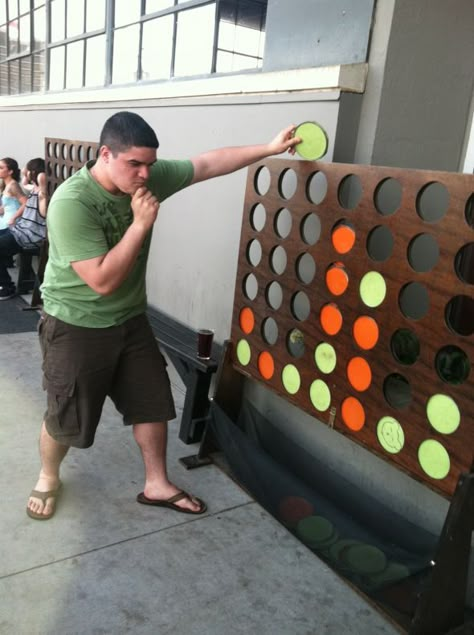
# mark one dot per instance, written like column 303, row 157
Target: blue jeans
column 8, row 248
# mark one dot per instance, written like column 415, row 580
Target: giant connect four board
column 355, row 301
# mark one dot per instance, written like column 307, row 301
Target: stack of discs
column 317, row 532
column 337, row 548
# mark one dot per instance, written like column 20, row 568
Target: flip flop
column 53, row 493
column 170, row 502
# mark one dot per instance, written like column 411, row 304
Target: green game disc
column 325, row 357
column 365, row 559
column 314, row 144
column 390, row 435
column 373, row 289
column 320, row 395
column 291, row 379
column 443, row 414
column 434, row 459
column 243, row 352
column 315, row 530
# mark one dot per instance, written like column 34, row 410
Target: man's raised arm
column 226, row 160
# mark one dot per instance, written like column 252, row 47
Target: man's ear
column 105, row 153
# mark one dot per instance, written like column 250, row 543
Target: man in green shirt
column 95, row 338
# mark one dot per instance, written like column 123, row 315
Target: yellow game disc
column 325, row 357
column 443, row 414
column 390, row 435
column 243, row 352
column 314, row 144
column 373, row 289
column 434, row 459
column 320, row 395
column 291, row 379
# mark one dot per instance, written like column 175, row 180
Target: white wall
column 427, row 85
column 468, row 165
column 193, row 260
column 193, row 263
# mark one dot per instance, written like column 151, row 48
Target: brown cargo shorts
column 82, row 366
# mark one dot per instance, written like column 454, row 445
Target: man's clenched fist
column 145, row 207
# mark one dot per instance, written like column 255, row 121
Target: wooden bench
column 26, row 273
column 30, row 277
column 430, row 600
column 179, row 342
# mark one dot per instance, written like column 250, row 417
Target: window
column 157, row 48
column 196, row 26
column 55, row 45
column 241, row 35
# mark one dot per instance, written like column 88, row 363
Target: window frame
column 36, row 49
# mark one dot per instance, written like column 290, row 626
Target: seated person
column 13, row 196
column 27, row 228
column 25, row 182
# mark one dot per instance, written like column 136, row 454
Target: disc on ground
column 365, row 559
column 314, row 530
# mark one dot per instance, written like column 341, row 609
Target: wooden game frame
column 439, row 607
column 450, row 232
column 64, row 157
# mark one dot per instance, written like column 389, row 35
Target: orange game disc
column 343, row 238
column 365, row 332
column 353, row 414
column 293, row 508
column 359, row 373
column 266, row 365
column 331, row 319
column 337, row 279
column 247, row 320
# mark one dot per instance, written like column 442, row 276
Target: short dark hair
column 12, row 165
column 35, row 167
column 126, row 130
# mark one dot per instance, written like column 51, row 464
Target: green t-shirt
column 85, row 221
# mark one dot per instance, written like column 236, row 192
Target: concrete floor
column 107, row 565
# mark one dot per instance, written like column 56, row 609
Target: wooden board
column 405, row 391
column 63, row 157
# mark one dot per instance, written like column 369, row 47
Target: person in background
column 94, row 333
column 27, row 226
column 13, row 197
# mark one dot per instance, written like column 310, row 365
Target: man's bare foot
column 42, row 500
column 164, row 493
